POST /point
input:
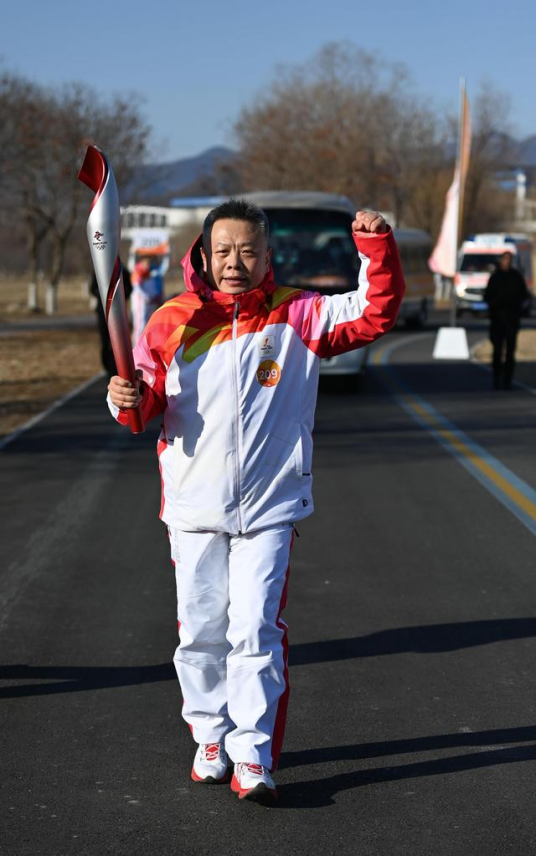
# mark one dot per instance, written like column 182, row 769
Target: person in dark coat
column 107, row 355
column 506, row 295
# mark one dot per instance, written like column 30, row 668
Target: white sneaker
column 254, row 782
column 210, row 764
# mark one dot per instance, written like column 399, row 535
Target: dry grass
column 526, row 348
column 38, row 368
column 73, row 296
column 525, row 356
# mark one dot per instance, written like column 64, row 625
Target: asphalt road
column 412, row 616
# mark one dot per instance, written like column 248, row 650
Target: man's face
column 239, row 257
column 506, row 261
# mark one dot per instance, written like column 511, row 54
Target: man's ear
column 204, row 258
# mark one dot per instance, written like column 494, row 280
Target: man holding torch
column 232, row 367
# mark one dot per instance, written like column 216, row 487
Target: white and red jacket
column 235, row 379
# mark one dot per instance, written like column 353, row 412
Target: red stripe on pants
column 282, row 707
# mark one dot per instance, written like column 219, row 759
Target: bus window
column 313, row 248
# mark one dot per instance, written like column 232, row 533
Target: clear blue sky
column 196, row 63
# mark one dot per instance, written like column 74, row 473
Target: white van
column 479, row 257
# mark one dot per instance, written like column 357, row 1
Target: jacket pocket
column 284, row 454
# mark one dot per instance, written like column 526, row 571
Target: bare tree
column 486, row 206
column 43, row 149
column 345, row 122
column 309, row 125
column 24, row 112
column 412, row 155
column 80, row 117
column 348, row 122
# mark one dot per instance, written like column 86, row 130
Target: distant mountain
column 527, row 152
column 215, row 172
column 207, row 173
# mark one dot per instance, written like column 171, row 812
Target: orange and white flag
column 444, row 255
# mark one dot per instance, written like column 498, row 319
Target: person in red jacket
column 146, row 295
column 231, row 366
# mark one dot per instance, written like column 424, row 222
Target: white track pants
column 232, row 658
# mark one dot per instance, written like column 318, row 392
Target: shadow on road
column 320, row 792
column 427, row 639
column 70, row 679
column 362, row 751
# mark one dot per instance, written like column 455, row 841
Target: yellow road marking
column 451, row 439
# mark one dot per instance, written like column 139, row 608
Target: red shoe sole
column 260, row 794
column 210, row 780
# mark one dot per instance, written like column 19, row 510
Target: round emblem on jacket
column 268, row 373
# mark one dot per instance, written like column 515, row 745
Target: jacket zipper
column 238, row 475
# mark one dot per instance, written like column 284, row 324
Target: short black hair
column 235, row 209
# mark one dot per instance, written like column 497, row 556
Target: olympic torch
column 104, row 234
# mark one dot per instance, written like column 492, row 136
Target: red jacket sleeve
column 153, row 388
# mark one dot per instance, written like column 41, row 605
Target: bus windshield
column 313, row 249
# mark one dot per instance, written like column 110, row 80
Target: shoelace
column 212, row 751
column 256, row 769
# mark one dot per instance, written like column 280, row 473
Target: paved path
column 45, row 322
column 412, row 614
